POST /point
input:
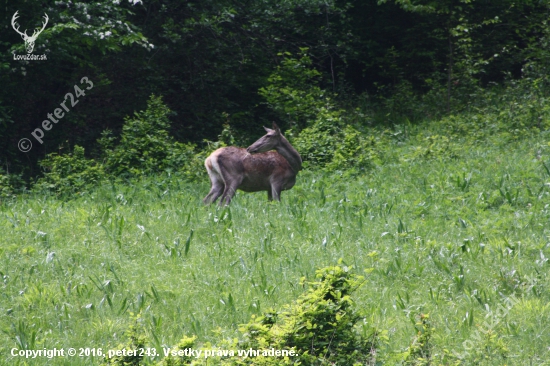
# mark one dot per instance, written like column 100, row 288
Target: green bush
column 185, row 343
column 317, row 142
column 69, row 173
column 489, row 347
column 436, row 147
column 319, row 326
column 10, row 185
column 354, row 152
column 331, row 144
column 293, row 90
column 145, row 147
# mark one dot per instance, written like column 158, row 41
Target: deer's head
column 29, row 41
column 267, row 142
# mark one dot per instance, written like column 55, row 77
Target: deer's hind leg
column 232, row 182
column 229, row 191
column 216, row 180
column 215, row 192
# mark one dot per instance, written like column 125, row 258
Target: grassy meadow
column 443, row 225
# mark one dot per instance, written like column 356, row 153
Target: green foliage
column 317, row 142
column 400, row 101
column 488, row 347
column 354, row 153
column 293, row 90
column 136, row 342
column 319, row 326
column 184, row 343
column 102, row 26
column 145, row 146
column 10, row 185
column 436, row 147
column 502, row 117
column 225, row 138
column 331, row 144
column 69, row 173
column 419, row 352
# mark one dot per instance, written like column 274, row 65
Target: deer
column 29, row 41
column 253, row 169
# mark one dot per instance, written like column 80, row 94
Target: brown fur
column 232, row 168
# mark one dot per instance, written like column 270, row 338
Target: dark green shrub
column 69, row 173
column 331, row 144
column 10, row 185
column 354, row 152
column 317, row 142
column 145, row 146
column 293, row 90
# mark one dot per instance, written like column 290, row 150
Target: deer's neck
column 290, row 154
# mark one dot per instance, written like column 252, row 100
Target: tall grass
column 448, row 228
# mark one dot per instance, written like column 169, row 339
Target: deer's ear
column 268, row 130
column 276, row 128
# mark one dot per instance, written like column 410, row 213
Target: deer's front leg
column 276, row 189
